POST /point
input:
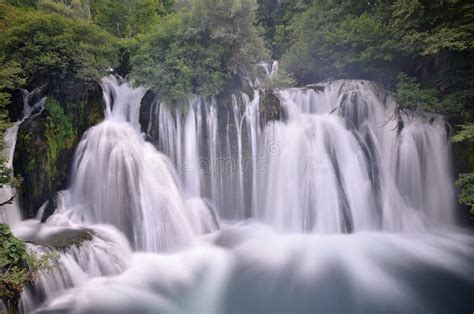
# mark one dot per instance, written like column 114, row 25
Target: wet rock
column 271, row 108
column 145, row 109
column 316, row 88
column 41, row 176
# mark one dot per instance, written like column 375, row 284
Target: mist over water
column 336, row 209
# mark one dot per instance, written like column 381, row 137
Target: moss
column 45, row 149
column 76, row 238
column 18, row 267
column 60, row 136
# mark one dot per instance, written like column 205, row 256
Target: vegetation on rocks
column 18, row 267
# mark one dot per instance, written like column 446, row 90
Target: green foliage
column 377, row 40
column 177, row 60
column 9, row 79
column 60, row 134
column 232, row 24
column 361, row 44
column 77, row 9
column 125, row 18
column 198, row 51
column 410, row 95
column 22, row 3
column 13, row 250
column 69, row 55
column 466, row 186
column 466, row 134
column 281, row 79
column 465, row 183
column 275, row 16
column 332, row 39
column 18, row 267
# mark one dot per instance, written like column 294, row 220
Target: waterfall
column 11, row 212
column 120, row 179
column 122, row 190
column 339, row 164
column 335, row 208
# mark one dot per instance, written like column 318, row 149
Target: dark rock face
column 316, row 88
column 146, row 106
column 31, row 163
column 271, row 108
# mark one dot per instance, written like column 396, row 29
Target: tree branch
column 10, row 201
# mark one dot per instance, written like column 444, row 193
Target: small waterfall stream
column 11, row 212
column 335, row 209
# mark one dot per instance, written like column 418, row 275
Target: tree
column 232, row 23
column 198, row 49
column 125, row 18
column 178, row 59
column 70, row 56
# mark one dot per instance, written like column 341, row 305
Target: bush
column 68, row 55
column 177, row 59
column 197, row 50
column 18, row 267
column 60, row 135
column 466, row 186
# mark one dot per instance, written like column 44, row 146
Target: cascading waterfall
column 339, row 163
column 120, row 179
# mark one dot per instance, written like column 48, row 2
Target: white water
column 253, row 270
column 338, row 165
column 10, row 213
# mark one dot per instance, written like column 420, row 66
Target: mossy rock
column 271, row 108
column 41, row 178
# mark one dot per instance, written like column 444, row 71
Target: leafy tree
column 78, row 9
column 177, row 60
column 198, row 49
column 274, row 16
column 232, row 23
column 465, row 182
column 466, row 185
column 125, row 18
column 411, row 96
column 70, row 56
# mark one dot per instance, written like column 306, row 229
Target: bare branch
column 10, row 201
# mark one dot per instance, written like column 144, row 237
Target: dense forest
column 421, row 51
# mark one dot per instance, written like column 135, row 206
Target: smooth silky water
column 335, row 210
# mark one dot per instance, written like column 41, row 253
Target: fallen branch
column 10, row 201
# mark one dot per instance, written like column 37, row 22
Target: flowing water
column 11, row 212
column 340, row 208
